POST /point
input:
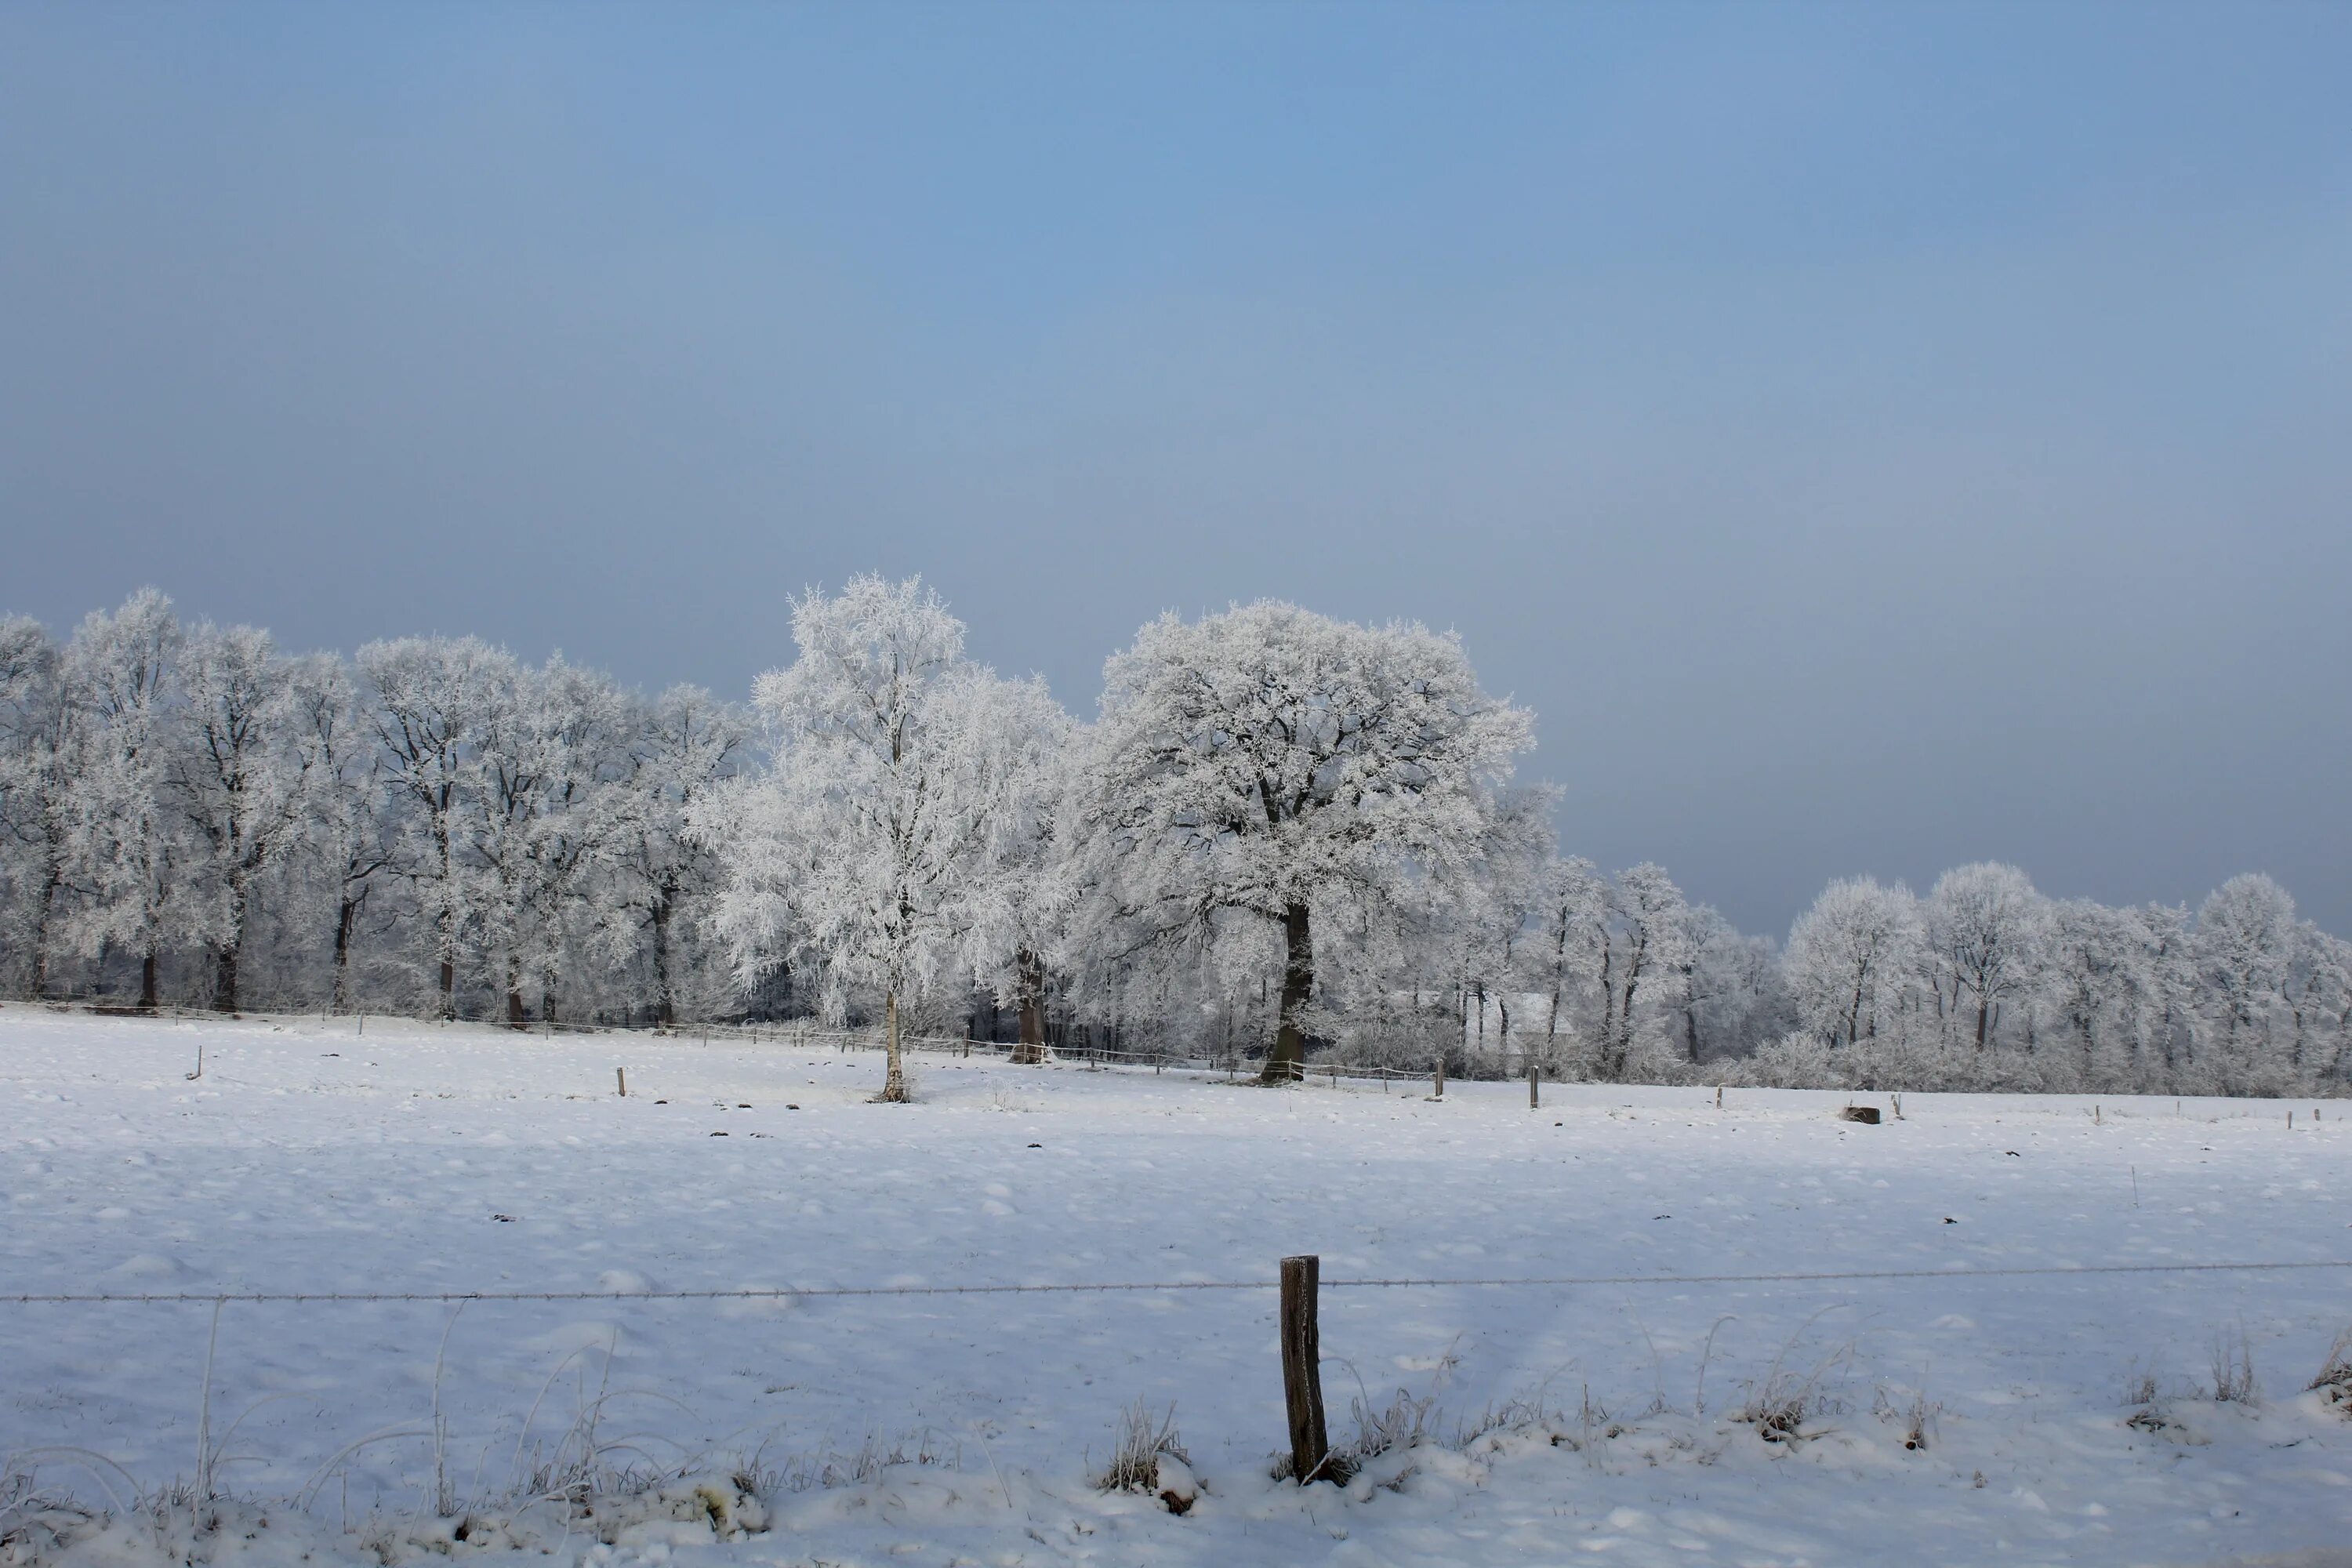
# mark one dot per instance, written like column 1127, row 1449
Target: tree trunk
column 1608, row 1002
column 41, row 907
column 1559, row 978
column 347, row 914
column 1623, row 1051
column 665, row 998
column 445, row 919
column 1984, row 1019
column 1286, row 1062
column 147, row 981
column 1029, row 981
column 894, row 1079
column 224, row 978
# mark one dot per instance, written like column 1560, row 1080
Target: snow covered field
column 422, row 1159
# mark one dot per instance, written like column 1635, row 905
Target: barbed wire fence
column 798, row 1034
column 1310, row 1449
column 818, row 1292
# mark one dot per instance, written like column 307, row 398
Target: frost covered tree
column 350, row 837
column 1270, row 762
column 430, row 701
column 1283, row 829
column 37, row 784
column 1487, row 918
column 1573, row 931
column 129, row 851
column 1024, row 922
column 874, row 843
column 1984, row 927
column 1643, row 967
column 2246, row 943
column 683, row 746
column 2109, row 991
column 1849, row 957
column 2320, row 1005
column 239, row 773
column 1731, row 989
column 549, row 742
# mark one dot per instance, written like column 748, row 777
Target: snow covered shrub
column 1517, row 1414
column 1781, row 1402
column 2233, row 1370
column 33, row 1522
column 1403, row 1422
column 1796, row 1061
column 813, row 1471
column 1148, row 1457
column 1917, row 1417
column 633, row 1503
column 2334, row 1384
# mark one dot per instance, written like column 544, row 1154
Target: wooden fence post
column 1533, row 1103
column 1302, row 1376
column 620, row 1078
column 1439, row 1092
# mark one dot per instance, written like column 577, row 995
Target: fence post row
column 1302, row 1375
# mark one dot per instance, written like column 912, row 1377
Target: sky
column 1869, row 437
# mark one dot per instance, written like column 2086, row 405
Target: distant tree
column 241, row 775
column 1646, row 963
column 130, row 851
column 2246, row 943
column 2322, row 1002
column 1984, row 924
column 1491, row 911
column 684, row 744
column 538, row 819
column 1728, row 985
column 1262, row 763
column 1024, row 920
column 1574, row 936
column 2106, row 989
column 1849, row 956
column 875, row 844
column 37, row 781
column 349, row 839
column 432, row 702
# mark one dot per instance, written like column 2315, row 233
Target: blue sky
column 1871, row 437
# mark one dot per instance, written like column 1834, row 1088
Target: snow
column 418, row 1158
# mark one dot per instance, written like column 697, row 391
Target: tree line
column 1282, row 838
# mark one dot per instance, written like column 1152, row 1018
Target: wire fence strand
column 787, row 1292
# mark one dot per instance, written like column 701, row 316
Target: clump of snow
column 176, row 1530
